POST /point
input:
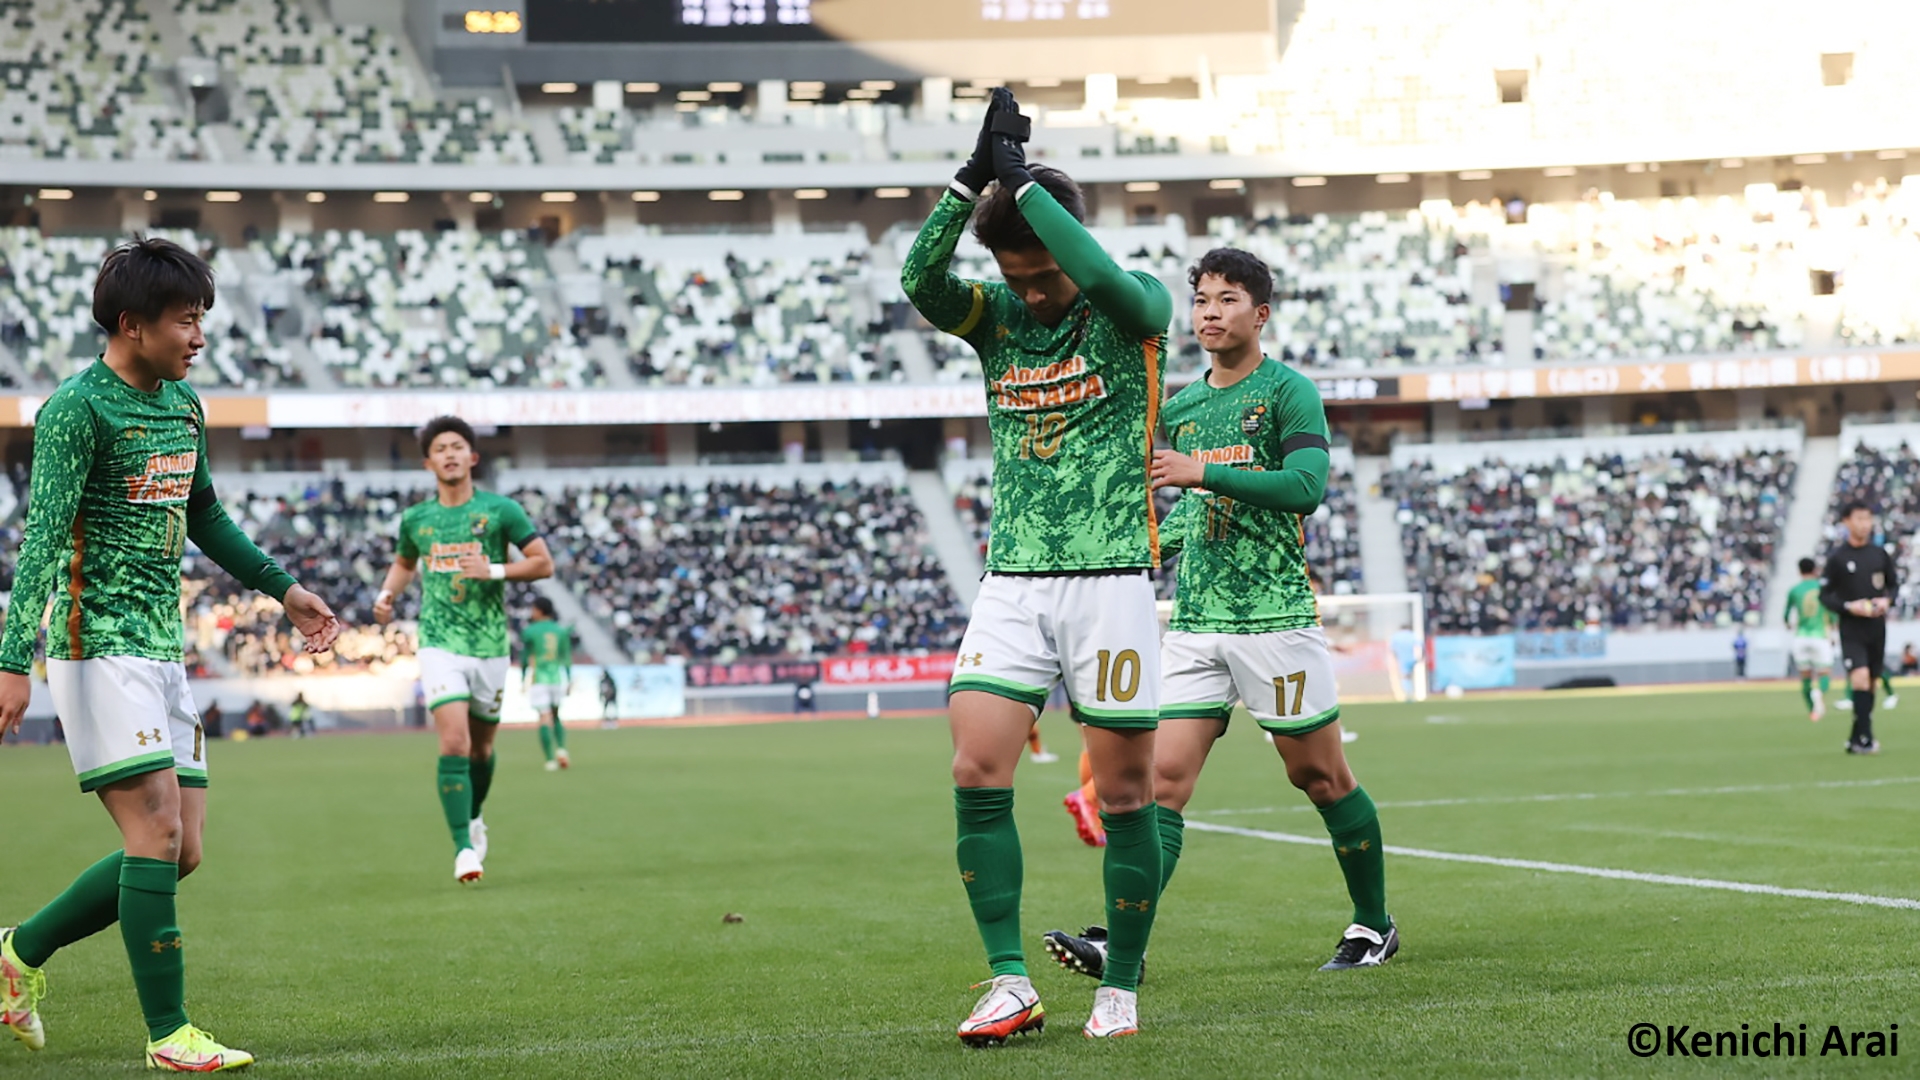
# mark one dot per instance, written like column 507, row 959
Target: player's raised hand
column 977, row 173
column 15, row 692
column 1011, row 130
column 476, row 567
column 313, row 618
column 1171, row 468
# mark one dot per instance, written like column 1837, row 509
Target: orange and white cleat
column 1116, row 1012
column 1009, row 1007
column 1086, row 819
column 466, row 866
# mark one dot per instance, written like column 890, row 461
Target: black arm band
column 201, row 499
column 1306, row 440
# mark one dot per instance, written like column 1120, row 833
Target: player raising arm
column 1250, row 451
column 120, row 484
column 463, row 535
column 1073, row 348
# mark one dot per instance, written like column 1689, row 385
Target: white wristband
column 385, row 596
column 497, row 571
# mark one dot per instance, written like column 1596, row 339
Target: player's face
column 1860, row 526
column 450, row 458
column 1039, row 283
column 167, row 345
column 1225, row 318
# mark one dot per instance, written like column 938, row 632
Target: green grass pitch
column 326, row 933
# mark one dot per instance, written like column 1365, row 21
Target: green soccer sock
column 455, row 783
column 1132, row 872
column 1886, row 683
column 990, row 867
column 90, row 905
column 559, row 731
column 546, row 742
column 1355, row 826
column 1173, row 832
column 1806, row 691
column 154, row 946
column 1826, row 682
column 482, row 773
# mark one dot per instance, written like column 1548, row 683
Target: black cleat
column 1086, row 954
column 1363, row 947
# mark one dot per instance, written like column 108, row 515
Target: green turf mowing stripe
column 1578, row 796
column 1586, row 871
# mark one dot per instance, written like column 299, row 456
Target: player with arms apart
column 463, row 535
column 548, row 662
column 1250, row 450
column 1812, row 628
column 1073, row 348
column 1860, row 586
column 120, row 484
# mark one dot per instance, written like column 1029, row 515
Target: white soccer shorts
column 544, row 696
column 1099, row 633
column 480, row 681
column 1812, row 653
column 1284, row 678
column 127, row 715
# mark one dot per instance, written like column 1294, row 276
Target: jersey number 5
column 1044, row 435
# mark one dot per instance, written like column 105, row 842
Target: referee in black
column 1860, row 585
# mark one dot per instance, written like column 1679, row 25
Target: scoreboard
column 857, row 21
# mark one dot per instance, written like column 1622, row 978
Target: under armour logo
column 146, row 737
column 162, row 946
column 969, row 659
column 448, row 789
column 1131, row 905
column 966, row 876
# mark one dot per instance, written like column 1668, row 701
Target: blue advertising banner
column 1561, row 644
column 642, row 691
column 1473, row 663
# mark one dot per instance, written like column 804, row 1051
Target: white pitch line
column 1585, row 871
column 1492, row 800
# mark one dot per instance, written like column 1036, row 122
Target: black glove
column 977, row 173
column 1010, row 132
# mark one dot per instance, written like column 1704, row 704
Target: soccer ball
column 1456, row 692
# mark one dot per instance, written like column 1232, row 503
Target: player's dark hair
column 1236, row 267
column 1000, row 226
column 543, row 607
column 439, row 426
column 1806, row 566
column 1854, row 507
column 144, row 277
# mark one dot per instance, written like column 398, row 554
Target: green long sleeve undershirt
column 1136, row 302
column 215, row 534
column 1297, row 488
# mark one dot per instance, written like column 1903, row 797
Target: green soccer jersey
column 1242, row 568
column 460, row 614
column 549, row 652
column 119, row 485
column 1071, row 407
column 1806, row 614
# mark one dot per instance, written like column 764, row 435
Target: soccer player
column 1860, row 585
column 1250, row 450
column 463, row 534
column 120, row 484
column 549, row 675
column 1073, row 349
column 1812, row 646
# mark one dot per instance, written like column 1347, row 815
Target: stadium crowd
column 1888, row 481
column 1668, row 539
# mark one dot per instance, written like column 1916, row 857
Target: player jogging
column 120, row 484
column 1812, row 628
column 548, row 661
column 1073, row 349
column 1860, row 585
column 463, row 535
column 1250, row 450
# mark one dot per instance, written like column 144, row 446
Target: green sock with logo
column 455, row 783
column 990, row 867
column 1132, row 874
column 1355, row 827
column 154, row 946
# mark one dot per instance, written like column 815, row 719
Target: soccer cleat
column 1086, row 954
column 553, row 766
column 1845, row 704
column 1349, row 736
column 1872, row 747
column 189, row 1049
column 1086, row 819
column 21, row 988
column 560, row 756
column 1009, row 1007
column 477, row 832
column 1116, row 1012
column 1044, row 757
column 1819, row 710
column 466, row 866
column 1363, row 946
column 1892, row 701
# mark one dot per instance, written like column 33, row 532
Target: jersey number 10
column 1044, row 435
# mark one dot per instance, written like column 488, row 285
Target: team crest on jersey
column 480, row 525
column 1250, row 420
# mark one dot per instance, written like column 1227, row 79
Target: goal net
column 1379, row 644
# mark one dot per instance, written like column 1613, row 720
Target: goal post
column 1379, row 644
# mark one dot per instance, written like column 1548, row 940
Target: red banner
column 866, row 670
column 755, row 673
